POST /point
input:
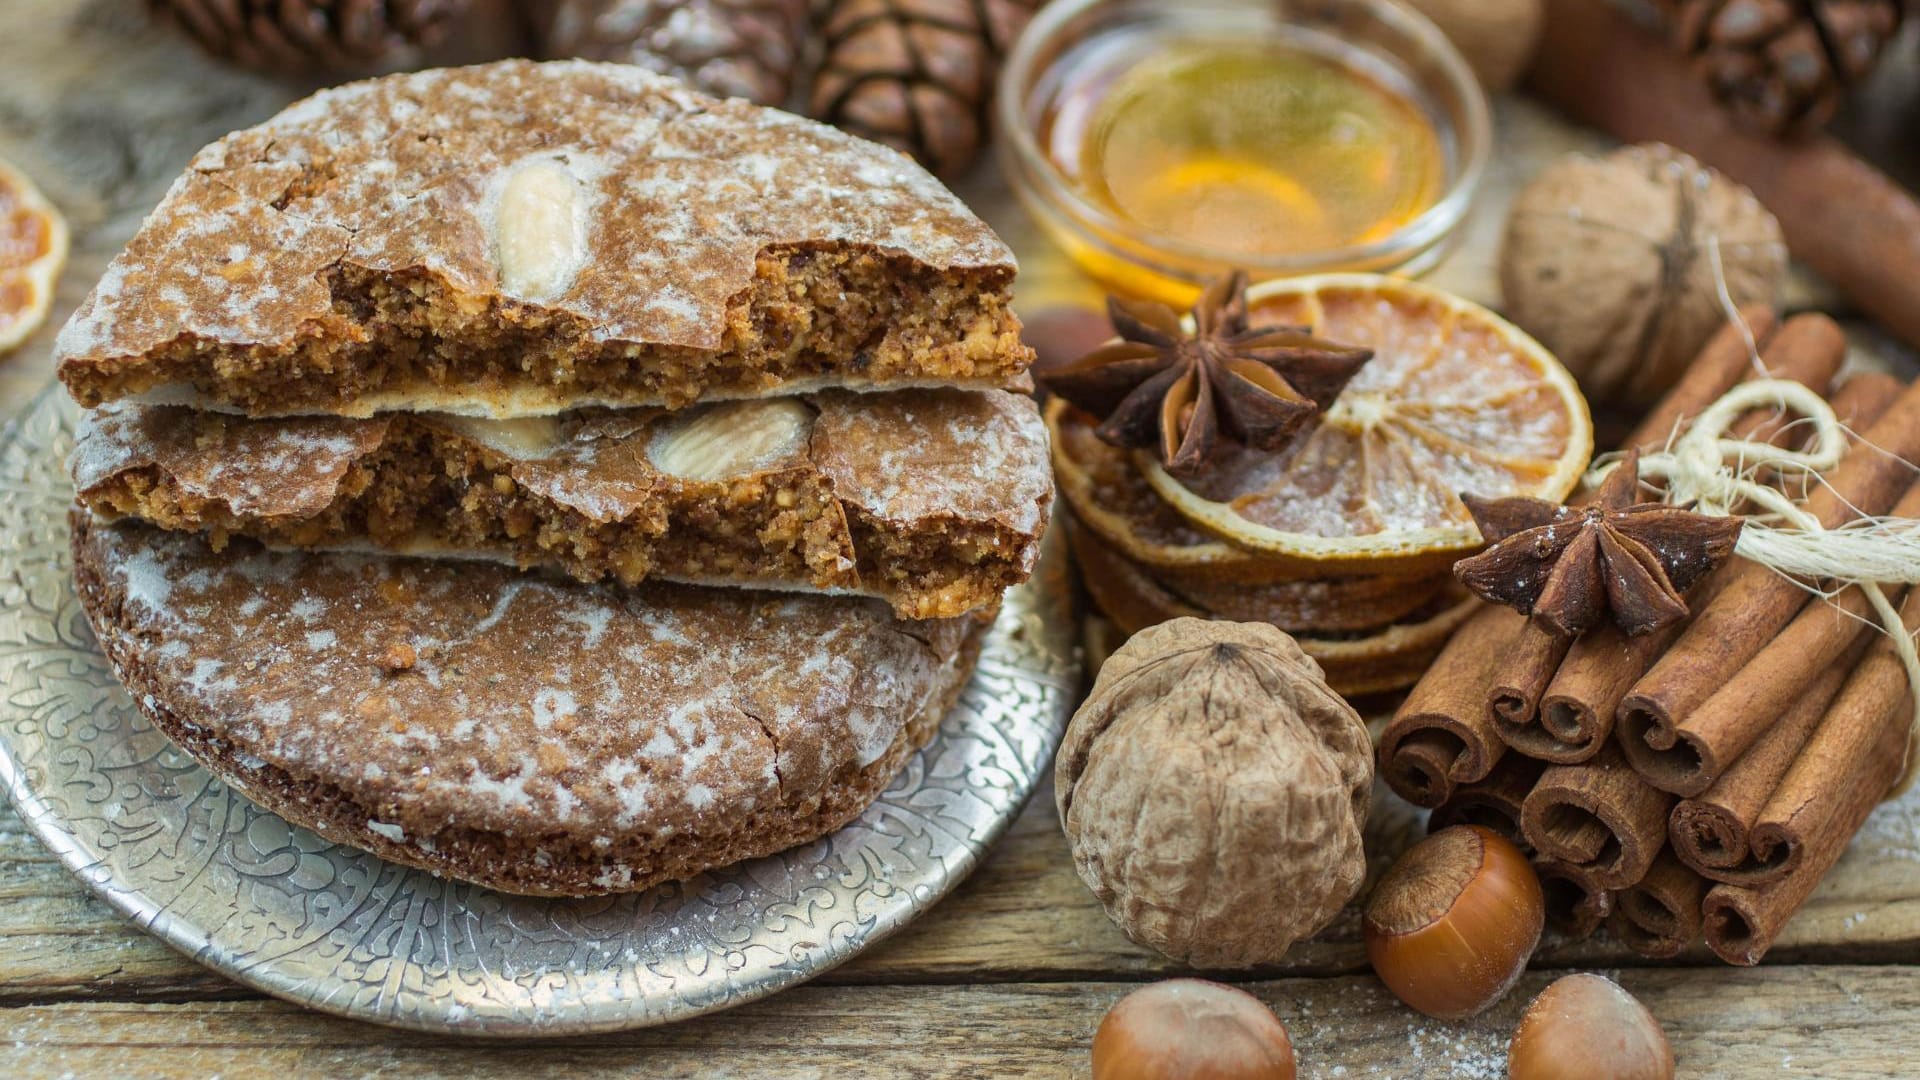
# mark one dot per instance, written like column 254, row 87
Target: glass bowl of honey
column 1160, row 143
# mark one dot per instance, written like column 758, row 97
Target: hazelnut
column 1584, row 1026
column 1212, row 789
column 1194, row 1030
column 1452, row 923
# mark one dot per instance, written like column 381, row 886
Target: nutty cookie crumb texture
column 538, row 716
column 934, row 500
column 608, row 237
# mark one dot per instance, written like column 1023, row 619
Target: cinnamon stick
column 1494, row 802
column 1853, row 757
column 1736, row 715
column 1712, row 832
column 1577, row 709
column 1575, row 712
column 1600, row 815
column 1752, row 606
column 1576, row 903
column 1722, row 363
column 1443, row 734
column 1521, row 676
column 1835, row 754
column 1661, row 915
column 1841, row 216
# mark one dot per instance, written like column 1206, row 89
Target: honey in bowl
column 1258, row 148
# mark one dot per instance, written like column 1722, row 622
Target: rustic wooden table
column 1011, row 974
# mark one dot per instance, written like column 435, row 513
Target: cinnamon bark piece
column 1660, row 915
column 1753, row 605
column 1575, row 711
column 1442, row 735
column 1522, row 674
column 1849, row 221
column 1724, row 361
column 1844, row 770
column 1762, row 693
column 1712, row 832
column 1493, row 803
column 1810, row 794
column 1600, row 815
column 1576, row 904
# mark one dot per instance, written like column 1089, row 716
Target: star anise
column 1159, row 386
column 1570, row 565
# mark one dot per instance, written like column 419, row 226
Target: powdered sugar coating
column 291, row 467
column 404, row 174
column 692, row 709
column 916, row 456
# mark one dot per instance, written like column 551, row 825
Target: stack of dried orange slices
column 1346, row 536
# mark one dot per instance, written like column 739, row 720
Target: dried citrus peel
column 33, row 248
column 1455, row 400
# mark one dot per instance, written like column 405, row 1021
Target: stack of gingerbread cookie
column 549, row 476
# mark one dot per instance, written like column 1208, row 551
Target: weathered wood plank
column 1836, row 1022
column 1024, row 916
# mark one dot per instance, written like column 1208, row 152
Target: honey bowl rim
column 1036, row 179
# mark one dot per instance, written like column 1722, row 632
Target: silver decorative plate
column 328, row 926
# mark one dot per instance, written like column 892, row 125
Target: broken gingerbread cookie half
column 933, row 500
column 518, row 239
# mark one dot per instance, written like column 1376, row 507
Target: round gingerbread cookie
column 531, row 734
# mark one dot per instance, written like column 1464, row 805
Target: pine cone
column 282, row 35
column 733, row 48
column 1783, row 66
column 915, row 74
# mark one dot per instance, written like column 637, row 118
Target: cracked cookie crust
column 517, row 239
column 530, row 734
column 933, row 500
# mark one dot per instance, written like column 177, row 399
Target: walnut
column 1213, row 791
column 1615, row 264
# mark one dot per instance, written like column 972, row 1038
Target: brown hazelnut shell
column 1192, row 1029
column 1451, row 925
column 1585, row 1026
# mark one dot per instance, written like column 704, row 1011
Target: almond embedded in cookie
column 933, row 500
column 519, row 238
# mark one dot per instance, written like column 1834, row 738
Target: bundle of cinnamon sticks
column 1699, row 780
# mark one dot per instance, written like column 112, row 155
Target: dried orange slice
column 1455, row 400
column 1391, row 657
column 33, row 248
column 1111, row 498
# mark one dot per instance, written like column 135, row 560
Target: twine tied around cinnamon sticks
column 1720, row 475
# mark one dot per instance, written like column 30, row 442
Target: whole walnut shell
column 1611, row 263
column 1213, row 790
